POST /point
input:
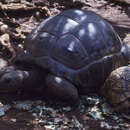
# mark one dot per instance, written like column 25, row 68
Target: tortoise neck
column 125, row 51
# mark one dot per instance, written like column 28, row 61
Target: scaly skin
column 14, row 78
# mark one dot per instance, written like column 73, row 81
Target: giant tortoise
column 71, row 53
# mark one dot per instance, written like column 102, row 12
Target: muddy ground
column 17, row 19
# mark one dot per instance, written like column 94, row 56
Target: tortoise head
column 126, row 49
column 11, row 79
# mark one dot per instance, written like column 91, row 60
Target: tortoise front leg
column 62, row 89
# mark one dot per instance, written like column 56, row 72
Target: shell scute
column 59, row 25
column 71, row 51
column 41, row 45
column 80, row 16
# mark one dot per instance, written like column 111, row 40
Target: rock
column 3, row 109
column 23, row 105
column 126, row 116
column 96, row 113
column 127, row 39
column 105, row 125
column 67, row 108
column 3, row 63
column 107, row 109
column 4, row 28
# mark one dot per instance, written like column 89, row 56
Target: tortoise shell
column 79, row 46
column 117, row 88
